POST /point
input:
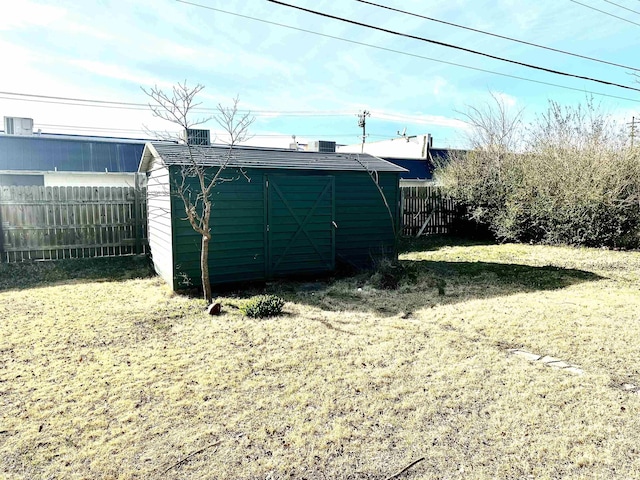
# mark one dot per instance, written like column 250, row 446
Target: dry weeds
column 123, row 379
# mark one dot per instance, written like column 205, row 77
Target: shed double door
column 300, row 224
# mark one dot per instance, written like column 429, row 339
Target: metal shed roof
column 43, row 153
column 251, row 157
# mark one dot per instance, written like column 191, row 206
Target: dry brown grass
column 122, row 379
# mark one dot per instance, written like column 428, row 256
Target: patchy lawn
column 109, row 377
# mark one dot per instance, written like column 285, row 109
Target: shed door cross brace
column 302, row 223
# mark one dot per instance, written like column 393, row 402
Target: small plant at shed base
column 262, row 306
column 390, row 274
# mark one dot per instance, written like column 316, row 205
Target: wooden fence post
column 137, row 214
column 1, row 231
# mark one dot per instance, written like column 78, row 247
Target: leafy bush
column 262, row 306
column 575, row 180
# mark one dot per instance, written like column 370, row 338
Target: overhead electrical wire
column 107, row 129
column 622, row 6
column 408, row 54
column 85, row 127
column 76, row 99
column 564, row 52
column 145, row 107
column 40, row 100
column 606, row 13
column 119, row 129
column 267, row 113
column 456, row 47
column 85, row 102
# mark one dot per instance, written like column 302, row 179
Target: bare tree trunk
column 175, row 107
column 204, row 267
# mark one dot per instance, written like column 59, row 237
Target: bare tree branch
column 176, row 107
column 376, row 181
column 494, row 126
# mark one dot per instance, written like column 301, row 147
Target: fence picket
column 48, row 223
column 426, row 205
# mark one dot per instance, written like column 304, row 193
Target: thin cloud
column 119, row 73
column 417, row 119
column 19, row 15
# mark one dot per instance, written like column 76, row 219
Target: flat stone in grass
column 532, row 357
column 575, row 370
column 558, row 364
column 548, row 359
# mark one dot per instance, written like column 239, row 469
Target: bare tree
column 494, row 125
column 177, row 107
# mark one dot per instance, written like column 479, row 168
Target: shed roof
column 251, row 157
column 44, row 153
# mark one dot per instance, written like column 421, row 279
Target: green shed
column 282, row 212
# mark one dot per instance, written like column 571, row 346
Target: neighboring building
column 409, row 147
column 420, row 171
column 290, row 212
column 414, row 153
column 28, row 158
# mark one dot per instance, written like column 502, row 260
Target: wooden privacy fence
column 49, row 223
column 426, row 211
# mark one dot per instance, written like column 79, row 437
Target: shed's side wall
column 364, row 230
column 160, row 221
column 237, row 248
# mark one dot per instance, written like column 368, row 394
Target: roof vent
column 321, row 146
column 194, row 136
column 18, row 126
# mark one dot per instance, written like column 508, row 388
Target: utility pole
column 362, row 122
column 633, row 130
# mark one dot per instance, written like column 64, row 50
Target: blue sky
column 302, row 84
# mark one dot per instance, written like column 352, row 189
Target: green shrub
column 575, row 180
column 262, row 306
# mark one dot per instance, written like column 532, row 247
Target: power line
column 271, row 135
column 76, row 99
column 85, row 127
column 622, row 6
column 284, row 135
column 85, row 102
column 36, row 100
column 413, row 55
column 497, row 35
column 266, row 113
column 606, row 13
column 456, row 47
